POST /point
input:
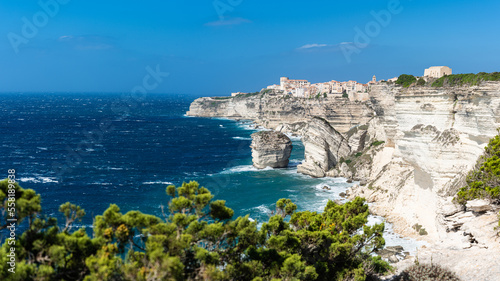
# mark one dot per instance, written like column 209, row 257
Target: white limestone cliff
column 270, row 149
column 411, row 149
column 324, row 147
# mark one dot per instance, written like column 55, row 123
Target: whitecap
column 294, row 163
column 29, row 179
column 244, row 168
column 101, row 183
column 263, row 209
column 48, row 180
column 38, row 179
column 157, row 182
column 114, row 169
column 242, row 138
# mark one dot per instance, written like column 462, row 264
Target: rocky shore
column 410, row 149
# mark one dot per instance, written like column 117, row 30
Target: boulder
column 270, row 149
column 478, row 205
column 392, row 253
column 449, row 208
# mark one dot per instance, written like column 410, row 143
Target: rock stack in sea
column 270, row 149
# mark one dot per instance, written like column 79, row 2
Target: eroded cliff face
column 323, row 148
column 410, row 148
column 271, row 110
column 431, row 138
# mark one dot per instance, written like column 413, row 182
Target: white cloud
column 309, row 46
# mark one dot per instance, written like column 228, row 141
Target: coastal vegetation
column 195, row 239
column 421, row 82
column 406, row 80
column 483, row 181
column 466, row 79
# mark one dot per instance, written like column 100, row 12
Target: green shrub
column 377, row 143
column 421, row 82
column 484, row 180
column 243, row 96
column 466, row 79
column 422, row 231
column 358, row 154
column 406, row 80
column 423, row 272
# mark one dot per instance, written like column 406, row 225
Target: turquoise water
column 45, row 138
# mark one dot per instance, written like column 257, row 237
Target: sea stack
column 270, row 149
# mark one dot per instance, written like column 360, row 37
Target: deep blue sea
column 84, row 149
column 74, row 147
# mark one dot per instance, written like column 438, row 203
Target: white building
column 437, row 71
column 299, row 92
column 285, row 82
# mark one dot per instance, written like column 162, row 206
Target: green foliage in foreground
column 406, row 80
column 484, row 180
column 196, row 240
column 466, row 79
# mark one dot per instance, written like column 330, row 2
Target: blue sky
column 217, row 47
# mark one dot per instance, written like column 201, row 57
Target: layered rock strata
column 270, row 149
column 324, row 148
column 270, row 109
column 411, row 149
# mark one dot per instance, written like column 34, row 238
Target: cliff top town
column 352, row 89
